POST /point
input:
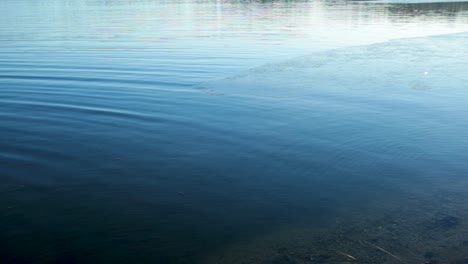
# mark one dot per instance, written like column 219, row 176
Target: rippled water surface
column 188, row 131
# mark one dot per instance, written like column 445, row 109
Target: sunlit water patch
column 407, row 68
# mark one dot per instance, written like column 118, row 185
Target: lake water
column 194, row 131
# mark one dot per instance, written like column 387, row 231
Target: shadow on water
column 432, row 10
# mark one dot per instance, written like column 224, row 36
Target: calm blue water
column 122, row 141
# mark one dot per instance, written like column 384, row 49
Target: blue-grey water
column 223, row 131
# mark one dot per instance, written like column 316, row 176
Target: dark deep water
column 117, row 145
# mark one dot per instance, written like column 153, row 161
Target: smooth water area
column 156, row 131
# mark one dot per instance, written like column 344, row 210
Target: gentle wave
column 400, row 68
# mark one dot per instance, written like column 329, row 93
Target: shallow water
column 205, row 132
